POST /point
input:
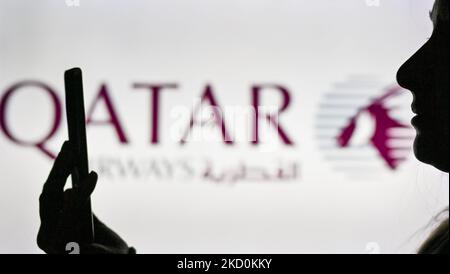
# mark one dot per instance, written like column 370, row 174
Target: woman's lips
column 416, row 121
column 419, row 121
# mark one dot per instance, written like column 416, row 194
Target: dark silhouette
column 60, row 212
column 426, row 75
column 67, row 222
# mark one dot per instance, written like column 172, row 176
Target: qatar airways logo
column 182, row 130
column 363, row 130
column 203, row 125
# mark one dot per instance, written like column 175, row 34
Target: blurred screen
column 226, row 126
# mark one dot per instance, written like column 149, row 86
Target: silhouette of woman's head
column 426, row 75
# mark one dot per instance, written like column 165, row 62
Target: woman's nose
column 402, row 75
column 411, row 74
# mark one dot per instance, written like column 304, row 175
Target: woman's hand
column 59, row 213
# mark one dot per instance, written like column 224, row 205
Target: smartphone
column 77, row 138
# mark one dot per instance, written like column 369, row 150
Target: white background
column 305, row 45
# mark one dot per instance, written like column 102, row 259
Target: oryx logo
column 363, row 129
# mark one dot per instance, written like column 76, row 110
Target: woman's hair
column 442, row 6
column 437, row 243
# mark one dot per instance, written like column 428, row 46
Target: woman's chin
column 429, row 151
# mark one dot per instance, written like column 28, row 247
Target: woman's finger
column 52, row 197
column 61, row 170
column 87, row 187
